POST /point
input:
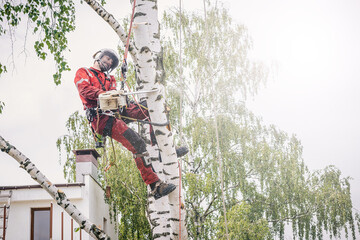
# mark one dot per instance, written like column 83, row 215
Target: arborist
column 96, row 80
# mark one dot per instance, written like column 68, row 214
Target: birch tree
column 147, row 57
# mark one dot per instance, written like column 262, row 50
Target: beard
column 103, row 66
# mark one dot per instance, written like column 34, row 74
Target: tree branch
column 58, row 195
column 207, row 209
column 115, row 25
column 306, row 213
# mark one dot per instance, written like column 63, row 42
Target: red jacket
column 89, row 86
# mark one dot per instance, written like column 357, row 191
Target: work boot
column 161, row 189
column 181, row 151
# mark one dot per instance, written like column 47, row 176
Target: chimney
column 86, row 164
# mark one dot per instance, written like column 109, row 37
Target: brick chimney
column 86, row 164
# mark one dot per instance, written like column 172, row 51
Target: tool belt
column 92, row 113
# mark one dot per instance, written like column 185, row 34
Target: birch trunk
column 150, row 75
column 158, row 211
column 58, row 195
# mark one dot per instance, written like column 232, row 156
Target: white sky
column 312, row 45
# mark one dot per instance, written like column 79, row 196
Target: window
column 40, row 223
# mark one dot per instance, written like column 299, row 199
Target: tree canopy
column 266, row 182
column 51, row 20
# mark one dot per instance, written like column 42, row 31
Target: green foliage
column 52, row 20
column 128, row 195
column 243, row 224
column 262, row 165
column 128, row 192
column 2, row 105
column 2, row 69
column 79, row 137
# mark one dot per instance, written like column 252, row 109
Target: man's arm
column 83, row 84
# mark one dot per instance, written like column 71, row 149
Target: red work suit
column 89, row 87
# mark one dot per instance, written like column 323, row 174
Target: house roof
column 38, row 186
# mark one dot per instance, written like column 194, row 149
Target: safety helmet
column 108, row 52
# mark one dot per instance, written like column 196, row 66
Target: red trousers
column 129, row 138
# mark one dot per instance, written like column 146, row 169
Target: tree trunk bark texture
column 150, row 75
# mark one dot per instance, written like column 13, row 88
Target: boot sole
column 166, row 192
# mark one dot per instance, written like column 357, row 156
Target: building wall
column 97, row 208
column 89, row 199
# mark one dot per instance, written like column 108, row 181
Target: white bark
column 150, row 74
column 58, row 195
column 158, row 211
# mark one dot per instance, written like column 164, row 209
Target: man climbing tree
column 94, row 81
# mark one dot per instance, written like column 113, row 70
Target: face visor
column 110, row 53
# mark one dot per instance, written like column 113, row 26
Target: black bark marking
column 139, row 14
column 168, row 164
column 159, row 97
column 27, row 162
column 144, row 49
column 163, row 212
column 158, row 132
column 174, row 178
column 82, row 224
column 175, row 220
column 158, row 235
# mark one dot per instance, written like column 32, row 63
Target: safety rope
column 128, row 37
column 109, row 163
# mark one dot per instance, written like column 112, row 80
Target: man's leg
column 130, row 140
column 139, row 111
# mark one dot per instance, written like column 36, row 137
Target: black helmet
column 108, row 52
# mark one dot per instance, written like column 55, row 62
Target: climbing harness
column 101, row 83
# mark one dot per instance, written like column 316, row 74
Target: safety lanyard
column 96, row 75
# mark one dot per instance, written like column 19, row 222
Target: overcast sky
column 312, row 47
